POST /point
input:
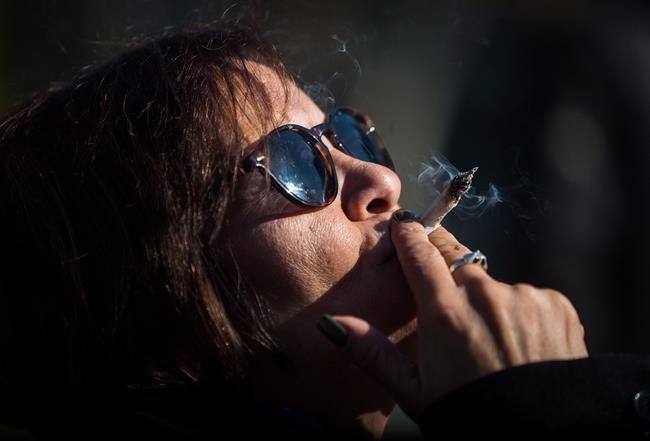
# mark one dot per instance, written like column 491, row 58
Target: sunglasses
column 300, row 164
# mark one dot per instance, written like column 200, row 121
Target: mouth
column 382, row 250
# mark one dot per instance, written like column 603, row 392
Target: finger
column 452, row 250
column 375, row 355
column 425, row 269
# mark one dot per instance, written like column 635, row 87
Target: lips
column 382, row 250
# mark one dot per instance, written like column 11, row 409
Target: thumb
column 374, row 354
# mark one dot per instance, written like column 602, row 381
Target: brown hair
column 113, row 193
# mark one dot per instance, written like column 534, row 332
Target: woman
column 174, row 241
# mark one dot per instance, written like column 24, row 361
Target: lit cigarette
column 447, row 200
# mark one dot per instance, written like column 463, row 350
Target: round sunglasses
column 300, row 164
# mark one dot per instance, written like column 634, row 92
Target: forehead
column 290, row 105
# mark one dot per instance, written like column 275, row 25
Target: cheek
column 333, row 249
column 297, row 259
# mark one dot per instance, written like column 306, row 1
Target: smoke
column 321, row 93
column 323, row 89
column 343, row 49
column 521, row 198
column 433, row 177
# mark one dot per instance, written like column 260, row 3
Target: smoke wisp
column 433, row 177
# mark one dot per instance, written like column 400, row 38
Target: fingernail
column 403, row 215
column 333, row 330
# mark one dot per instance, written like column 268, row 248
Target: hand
column 468, row 323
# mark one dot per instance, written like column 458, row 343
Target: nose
column 366, row 189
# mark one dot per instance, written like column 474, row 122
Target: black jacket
column 601, row 395
column 608, row 394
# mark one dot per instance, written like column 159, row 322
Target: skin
column 474, row 323
column 341, row 260
column 337, row 260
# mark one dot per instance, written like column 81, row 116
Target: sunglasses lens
column 300, row 168
column 358, row 138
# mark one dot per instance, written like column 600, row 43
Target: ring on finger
column 473, row 257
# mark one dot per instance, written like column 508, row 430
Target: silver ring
column 473, row 257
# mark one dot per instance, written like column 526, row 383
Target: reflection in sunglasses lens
column 354, row 138
column 299, row 168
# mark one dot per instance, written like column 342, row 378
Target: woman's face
column 338, row 259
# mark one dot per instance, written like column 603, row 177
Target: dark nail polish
column 333, row 330
column 403, row 215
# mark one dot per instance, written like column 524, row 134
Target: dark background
column 550, row 99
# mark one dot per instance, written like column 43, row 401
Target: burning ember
column 448, row 198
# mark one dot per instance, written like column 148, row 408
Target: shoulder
column 188, row 412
